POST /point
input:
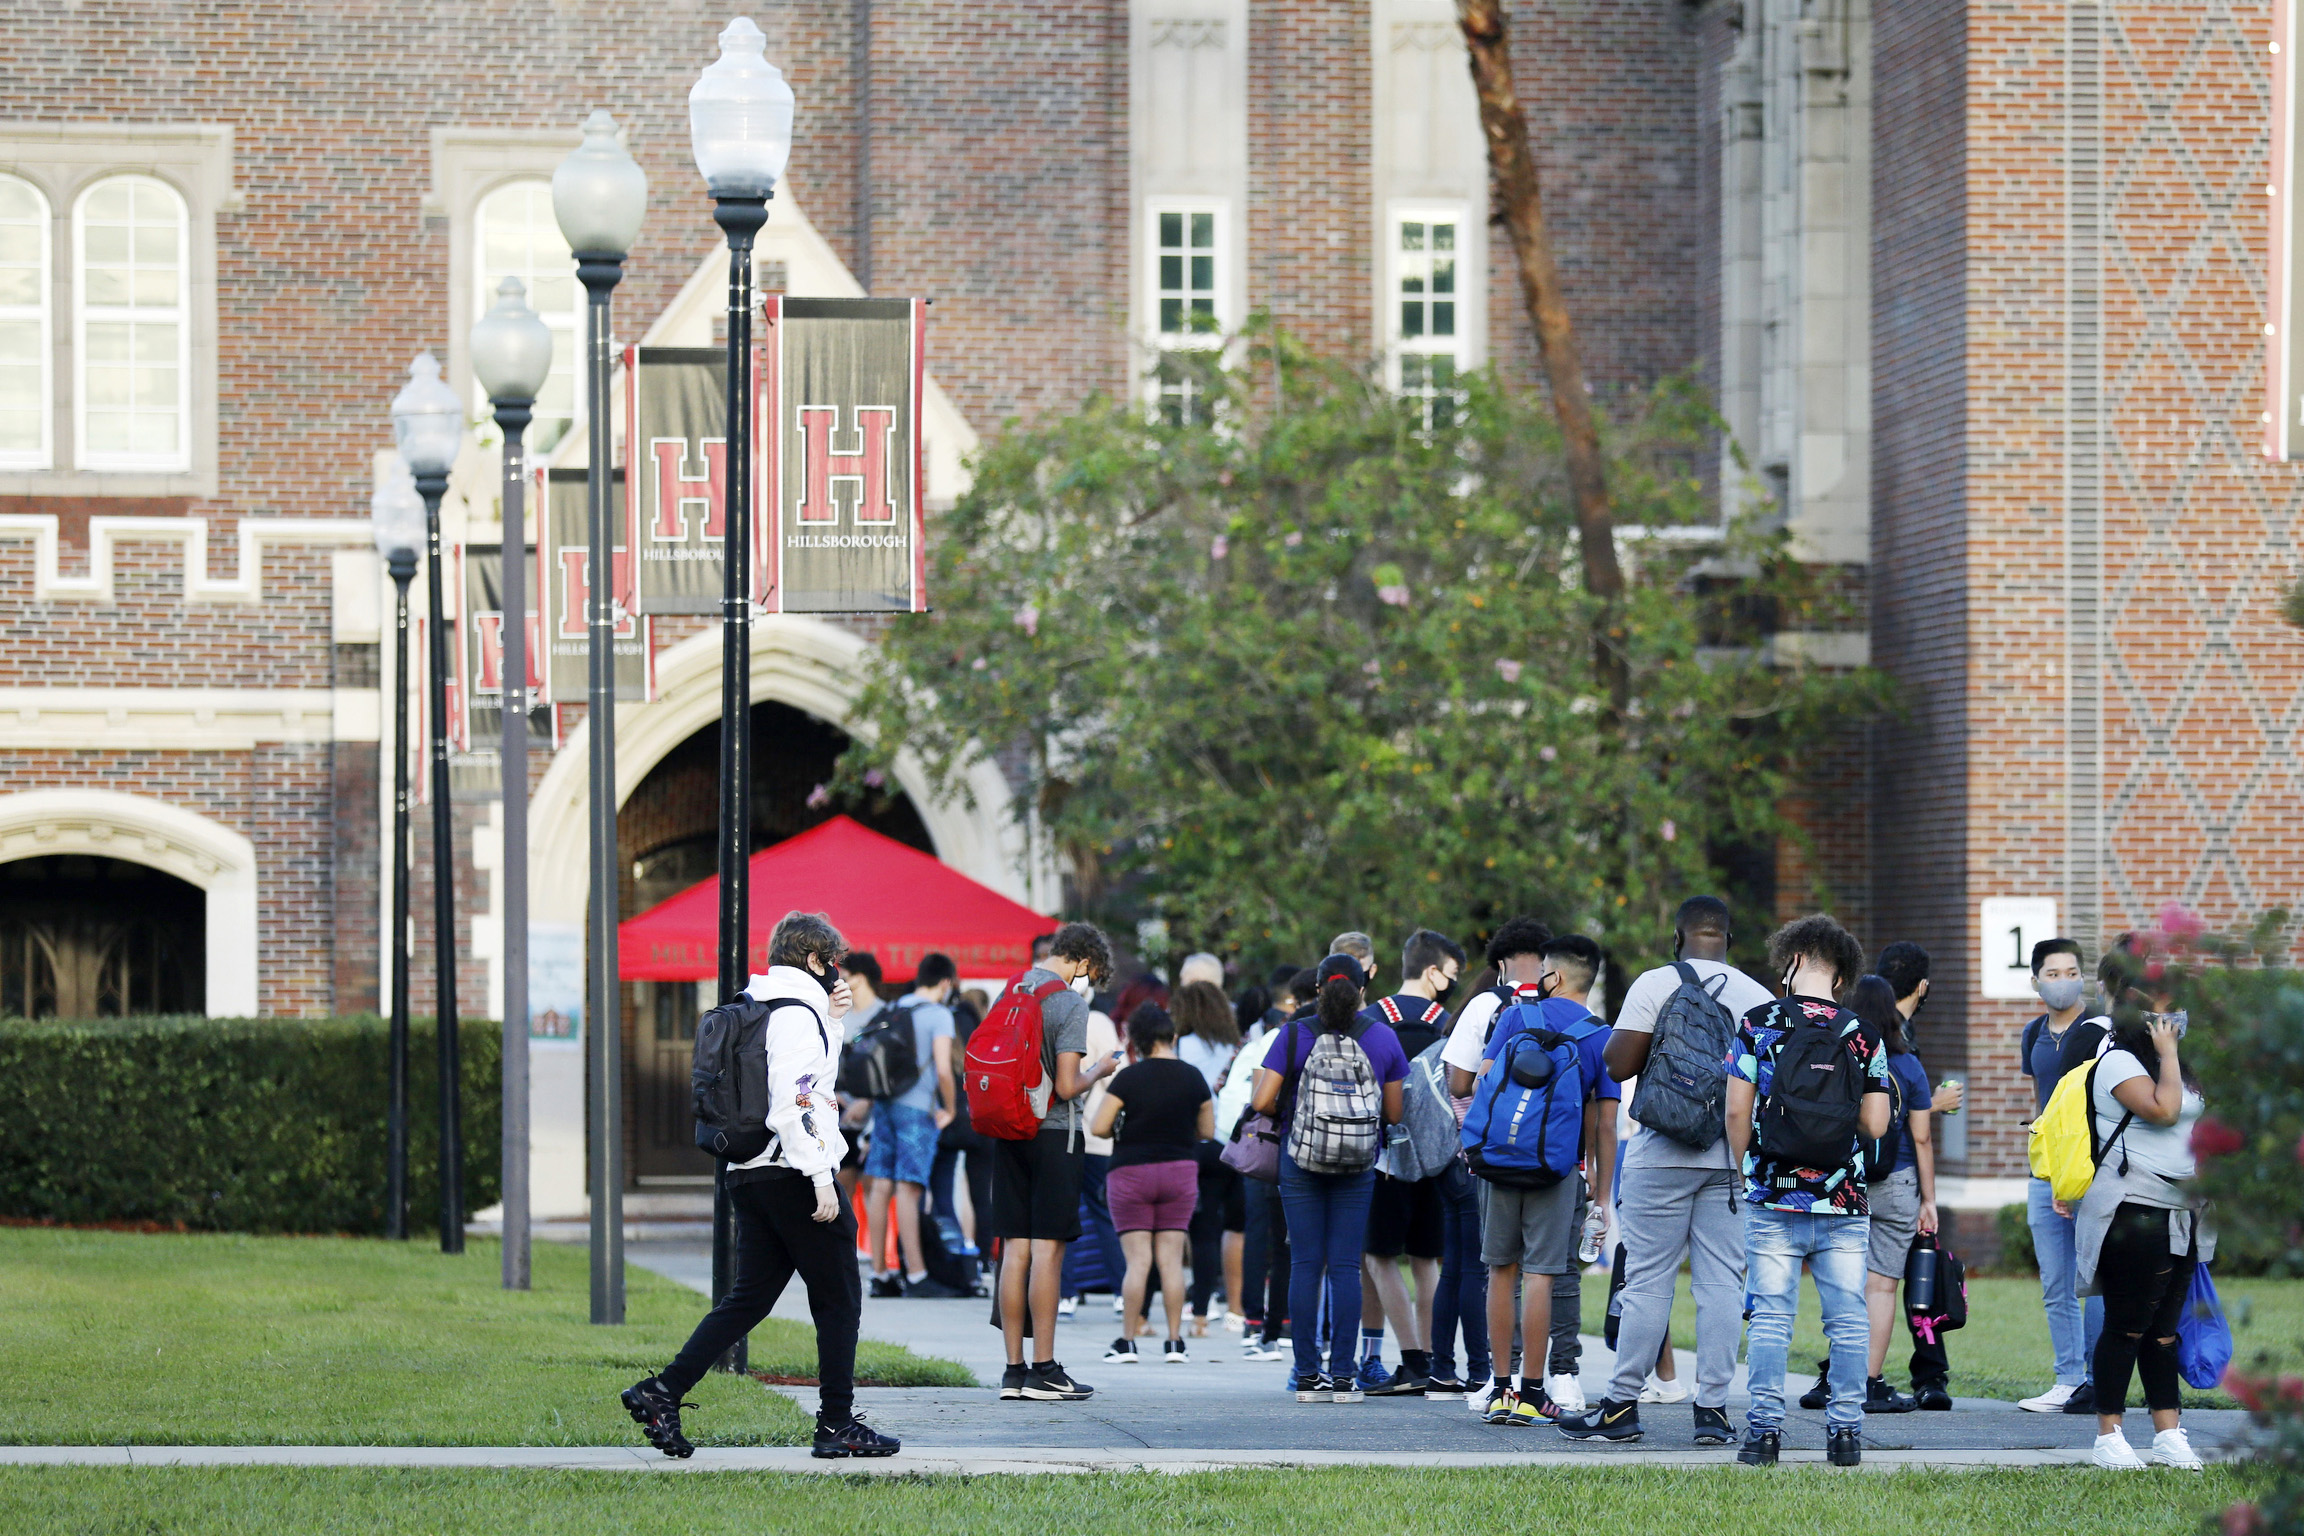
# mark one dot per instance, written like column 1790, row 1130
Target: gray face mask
column 2061, row 992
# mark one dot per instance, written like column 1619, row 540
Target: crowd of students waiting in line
column 1306, row 1143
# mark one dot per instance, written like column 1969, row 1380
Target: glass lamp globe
column 740, row 116
column 599, row 193
column 396, row 512
column 511, row 346
column 427, row 418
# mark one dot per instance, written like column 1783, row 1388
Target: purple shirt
column 1377, row 1039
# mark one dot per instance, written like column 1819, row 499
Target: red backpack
column 1008, row 1086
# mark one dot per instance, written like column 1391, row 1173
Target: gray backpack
column 1429, row 1116
column 1338, row 1123
column 1683, row 1092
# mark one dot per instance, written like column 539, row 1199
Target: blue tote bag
column 2203, row 1338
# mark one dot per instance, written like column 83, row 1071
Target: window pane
column 19, row 285
column 1411, row 320
column 1171, row 229
column 1443, row 237
column 155, row 343
column 20, row 341
column 156, row 389
column 1203, row 274
column 1443, row 276
column 19, row 201
column 1411, row 237
column 107, row 386
column 109, row 201
column 1443, row 318
column 156, row 244
column 107, row 243
column 108, row 432
column 1171, row 272
column 20, row 244
column 1171, row 314
column 156, row 434
column 107, row 341
column 155, row 289
column 1204, row 230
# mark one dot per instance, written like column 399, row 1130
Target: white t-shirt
column 1240, row 1082
column 1207, row 1056
column 1103, row 1040
column 2162, row 1149
column 1739, row 994
column 1467, row 1045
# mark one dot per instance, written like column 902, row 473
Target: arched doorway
column 667, row 829
column 87, row 937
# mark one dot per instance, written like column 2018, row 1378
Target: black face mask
column 1440, row 993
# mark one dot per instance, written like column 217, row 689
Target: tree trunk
column 1514, row 169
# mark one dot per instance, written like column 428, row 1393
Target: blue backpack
column 1525, row 1128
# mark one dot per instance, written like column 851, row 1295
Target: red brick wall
column 1310, row 201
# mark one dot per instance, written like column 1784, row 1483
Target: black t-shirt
column 1160, row 1100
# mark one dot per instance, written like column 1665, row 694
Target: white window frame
column 1463, row 346
column 44, row 456
column 1226, row 293
column 83, row 312
column 567, row 325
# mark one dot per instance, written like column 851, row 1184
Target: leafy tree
column 1321, row 657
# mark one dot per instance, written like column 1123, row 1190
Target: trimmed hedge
column 234, row 1125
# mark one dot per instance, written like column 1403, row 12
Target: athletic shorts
column 1036, row 1187
column 1153, row 1197
column 1895, row 1203
column 903, row 1143
column 1404, row 1218
column 1533, row 1228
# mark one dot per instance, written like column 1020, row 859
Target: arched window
column 25, row 340
column 518, row 237
column 133, row 344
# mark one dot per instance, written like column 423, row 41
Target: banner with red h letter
column 676, row 473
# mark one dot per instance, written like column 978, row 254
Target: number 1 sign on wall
column 2006, row 929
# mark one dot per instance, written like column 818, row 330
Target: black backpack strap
column 775, row 1003
column 2099, row 1150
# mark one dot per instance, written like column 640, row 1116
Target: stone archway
column 220, row 862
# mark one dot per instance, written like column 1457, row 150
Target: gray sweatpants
column 1665, row 1214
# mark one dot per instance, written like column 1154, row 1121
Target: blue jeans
column 1774, row 1244
column 2073, row 1329
column 1098, row 1240
column 1327, row 1232
column 1462, row 1300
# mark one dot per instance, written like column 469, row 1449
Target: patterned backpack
column 1338, row 1122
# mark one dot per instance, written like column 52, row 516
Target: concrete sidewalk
column 1198, row 1414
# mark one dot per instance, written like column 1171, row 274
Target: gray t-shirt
column 1063, row 1027
column 930, row 1022
column 1642, row 1002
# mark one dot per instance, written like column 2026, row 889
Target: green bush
column 2017, row 1256
column 237, row 1125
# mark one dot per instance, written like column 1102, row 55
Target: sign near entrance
column 567, row 589
column 2007, row 928
column 676, row 473
column 839, row 399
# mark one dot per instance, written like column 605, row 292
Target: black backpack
column 1880, row 1156
column 1683, row 1090
column 1809, row 1119
column 883, row 1060
column 728, row 1076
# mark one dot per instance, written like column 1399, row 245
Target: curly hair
column 1817, row 937
column 801, row 934
column 1202, row 1009
column 1084, row 942
column 1519, row 936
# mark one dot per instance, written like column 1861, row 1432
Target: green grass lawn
column 1377, row 1501
column 226, row 1340
column 2003, row 1352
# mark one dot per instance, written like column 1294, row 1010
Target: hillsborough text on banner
column 567, row 590
column 836, row 522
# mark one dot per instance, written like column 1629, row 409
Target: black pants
column 2144, row 1287
column 1264, row 1260
column 1212, row 1216
column 778, row 1235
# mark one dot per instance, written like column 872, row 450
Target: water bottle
column 1920, row 1277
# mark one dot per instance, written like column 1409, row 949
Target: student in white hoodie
column 790, row 1217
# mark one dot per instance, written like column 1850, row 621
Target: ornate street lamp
column 428, row 419
column 512, row 357
column 396, row 517
column 599, row 195
column 740, row 125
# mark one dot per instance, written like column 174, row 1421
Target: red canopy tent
column 891, row 899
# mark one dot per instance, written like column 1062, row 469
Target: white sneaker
column 1118, row 1309
column 2115, row 1454
column 1664, row 1391
column 1066, row 1306
column 1123, row 1352
column 1481, row 1396
column 1234, row 1322
column 1257, row 1349
column 2050, row 1401
column 2173, row 1448
column 1566, row 1392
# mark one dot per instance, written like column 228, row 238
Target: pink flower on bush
column 1219, row 547
column 1373, row 668
column 1028, row 619
column 1294, row 538
column 1508, row 669
column 2155, row 969
column 2211, row 1137
column 1396, row 596
column 1547, row 753
column 2244, row 1389
column 2180, row 922
column 819, row 797
column 874, row 778
column 977, row 665
column 1671, row 832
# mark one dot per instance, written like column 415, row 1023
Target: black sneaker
column 1012, row 1384
column 1712, row 1426
column 1402, row 1383
column 1314, row 1389
column 1819, row 1395
column 886, row 1285
column 1845, row 1448
column 854, row 1438
column 1444, row 1384
column 1933, row 1398
column 1606, row 1419
column 1048, row 1384
column 657, row 1413
column 2083, row 1399
column 931, row 1289
column 1122, row 1352
column 1174, row 1353
column 1760, row 1448
column 1879, row 1397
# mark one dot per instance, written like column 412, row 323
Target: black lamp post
column 512, row 357
column 599, row 194
column 429, row 420
column 397, row 517
column 740, row 125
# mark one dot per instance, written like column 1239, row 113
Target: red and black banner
column 567, row 590
column 676, row 473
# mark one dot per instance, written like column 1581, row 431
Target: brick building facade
column 1978, row 283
